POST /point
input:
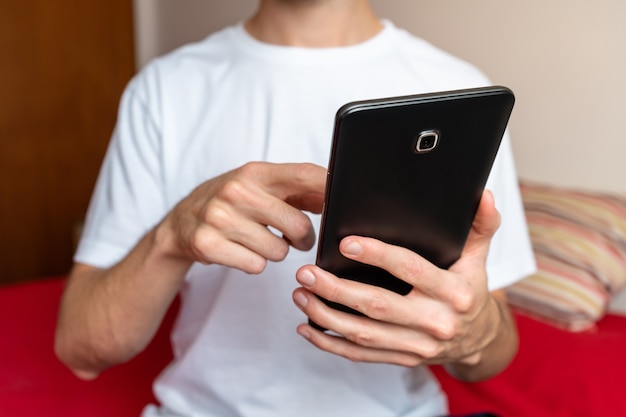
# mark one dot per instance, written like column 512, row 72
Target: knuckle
column 411, row 269
column 431, row 351
column 300, row 227
column 232, row 190
column 333, row 292
column 377, row 307
column 278, row 250
column 353, row 355
column 361, row 338
column 255, row 265
column 304, row 172
column 216, row 215
column 474, row 359
column 253, row 168
column 463, row 300
column 201, row 243
column 410, row 361
column 446, row 330
column 497, row 221
column 301, row 172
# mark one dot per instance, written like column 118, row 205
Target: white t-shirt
column 210, row 107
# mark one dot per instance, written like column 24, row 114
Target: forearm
column 108, row 316
column 497, row 355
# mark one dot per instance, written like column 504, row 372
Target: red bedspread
column 556, row 373
column 34, row 383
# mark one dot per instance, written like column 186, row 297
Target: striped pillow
column 579, row 240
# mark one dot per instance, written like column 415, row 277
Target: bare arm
column 109, row 315
column 448, row 318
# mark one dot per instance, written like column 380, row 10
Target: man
column 180, row 208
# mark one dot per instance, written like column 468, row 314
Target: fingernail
column 300, row 299
column 306, row 278
column 353, row 248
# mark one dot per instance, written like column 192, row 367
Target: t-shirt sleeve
column 510, row 256
column 128, row 197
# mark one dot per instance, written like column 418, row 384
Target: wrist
column 499, row 348
column 165, row 248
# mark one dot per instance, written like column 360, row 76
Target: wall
column 565, row 60
column 161, row 25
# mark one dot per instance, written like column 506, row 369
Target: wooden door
column 63, row 66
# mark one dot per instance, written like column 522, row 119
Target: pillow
column 579, row 241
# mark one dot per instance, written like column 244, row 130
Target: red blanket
column 556, row 373
column 34, row 383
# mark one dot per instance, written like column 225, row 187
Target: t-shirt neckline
column 305, row 56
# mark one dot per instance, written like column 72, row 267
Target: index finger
column 398, row 261
column 275, row 195
column 287, row 181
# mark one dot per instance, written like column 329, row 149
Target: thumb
column 484, row 226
